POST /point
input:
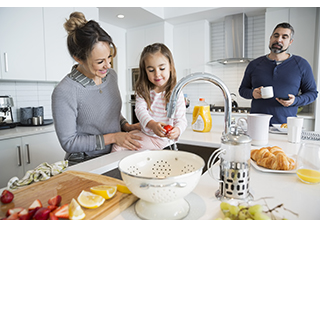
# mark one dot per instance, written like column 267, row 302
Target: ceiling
column 139, row 16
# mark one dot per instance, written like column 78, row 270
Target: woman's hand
column 131, row 127
column 123, row 139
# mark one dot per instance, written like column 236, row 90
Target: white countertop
column 284, row 188
column 20, row 131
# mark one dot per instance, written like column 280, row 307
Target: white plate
column 278, row 127
column 264, row 169
column 275, row 131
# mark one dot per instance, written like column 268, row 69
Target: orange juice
column 201, row 119
column 309, row 176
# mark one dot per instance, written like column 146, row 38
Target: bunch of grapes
column 243, row 212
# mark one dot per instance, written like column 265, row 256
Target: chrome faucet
column 207, row 77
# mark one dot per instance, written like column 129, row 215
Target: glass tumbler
column 308, row 163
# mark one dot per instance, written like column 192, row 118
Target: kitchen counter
column 285, row 188
column 20, row 131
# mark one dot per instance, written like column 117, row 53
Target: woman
column 86, row 104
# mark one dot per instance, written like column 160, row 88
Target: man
column 290, row 75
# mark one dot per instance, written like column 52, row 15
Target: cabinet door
column 41, row 148
column 58, row 59
column 11, row 163
column 22, row 43
column 135, row 45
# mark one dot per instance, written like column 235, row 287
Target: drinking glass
column 308, row 163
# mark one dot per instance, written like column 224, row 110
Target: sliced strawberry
column 52, row 216
column 52, row 207
column 32, row 212
column 62, row 211
column 13, row 216
column 56, row 200
column 36, row 203
column 14, row 210
column 24, row 215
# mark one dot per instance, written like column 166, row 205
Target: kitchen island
column 284, row 188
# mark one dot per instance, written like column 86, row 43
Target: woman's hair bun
column 76, row 21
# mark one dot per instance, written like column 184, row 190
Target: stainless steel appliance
column 6, row 119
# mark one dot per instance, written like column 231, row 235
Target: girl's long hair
column 143, row 85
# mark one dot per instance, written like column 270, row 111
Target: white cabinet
column 22, row 43
column 34, row 42
column 303, row 21
column 25, row 153
column 58, row 59
column 191, row 50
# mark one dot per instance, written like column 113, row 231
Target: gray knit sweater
column 82, row 114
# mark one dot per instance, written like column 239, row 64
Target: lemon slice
column 75, row 211
column 90, row 200
column 105, row 191
column 124, row 189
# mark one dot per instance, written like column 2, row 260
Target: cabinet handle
column 19, row 155
column 6, row 67
column 28, row 154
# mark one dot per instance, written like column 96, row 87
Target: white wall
column 118, row 36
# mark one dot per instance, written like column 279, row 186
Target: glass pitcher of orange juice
column 201, row 119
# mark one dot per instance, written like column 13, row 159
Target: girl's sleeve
column 141, row 111
column 180, row 119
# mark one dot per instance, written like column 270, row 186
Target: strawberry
column 62, row 211
column 24, row 215
column 6, row 196
column 36, row 203
column 14, row 210
column 52, row 216
column 56, row 200
column 42, row 214
column 168, row 128
column 13, row 216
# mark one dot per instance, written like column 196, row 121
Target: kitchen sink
column 204, row 152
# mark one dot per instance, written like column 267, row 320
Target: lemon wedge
column 124, row 189
column 105, row 191
column 90, row 200
column 75, row 211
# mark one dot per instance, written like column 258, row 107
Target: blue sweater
column 292, row 76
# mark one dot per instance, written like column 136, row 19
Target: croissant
column 273, row 158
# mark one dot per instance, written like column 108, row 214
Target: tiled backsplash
column 28, row 94
column 230, row 74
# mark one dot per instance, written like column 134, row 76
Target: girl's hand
column 157, row 128
column 173, row 134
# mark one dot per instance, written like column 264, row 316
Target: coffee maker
column 6, row 104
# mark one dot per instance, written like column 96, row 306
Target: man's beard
column 277, row 50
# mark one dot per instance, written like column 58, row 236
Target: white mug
column 294, row 129
column 257, row 127
column 267, row 92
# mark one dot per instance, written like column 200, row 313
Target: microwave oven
column 134, row 78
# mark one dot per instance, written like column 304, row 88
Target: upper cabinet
column 22, row 44
column 303, row 21
column 36, row 49
column 58, row 59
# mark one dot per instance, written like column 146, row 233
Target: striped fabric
column 158, row 112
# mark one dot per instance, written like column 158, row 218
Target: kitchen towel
column 42, row 172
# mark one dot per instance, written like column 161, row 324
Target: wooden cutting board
column 69, row 185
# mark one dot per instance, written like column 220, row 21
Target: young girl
column 157, row 79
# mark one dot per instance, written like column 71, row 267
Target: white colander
column 161, row 178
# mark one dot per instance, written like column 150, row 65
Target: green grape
column 261, row 216
column 234, row 210
column 255, row 209
column 224, row 206
column 244, row 215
